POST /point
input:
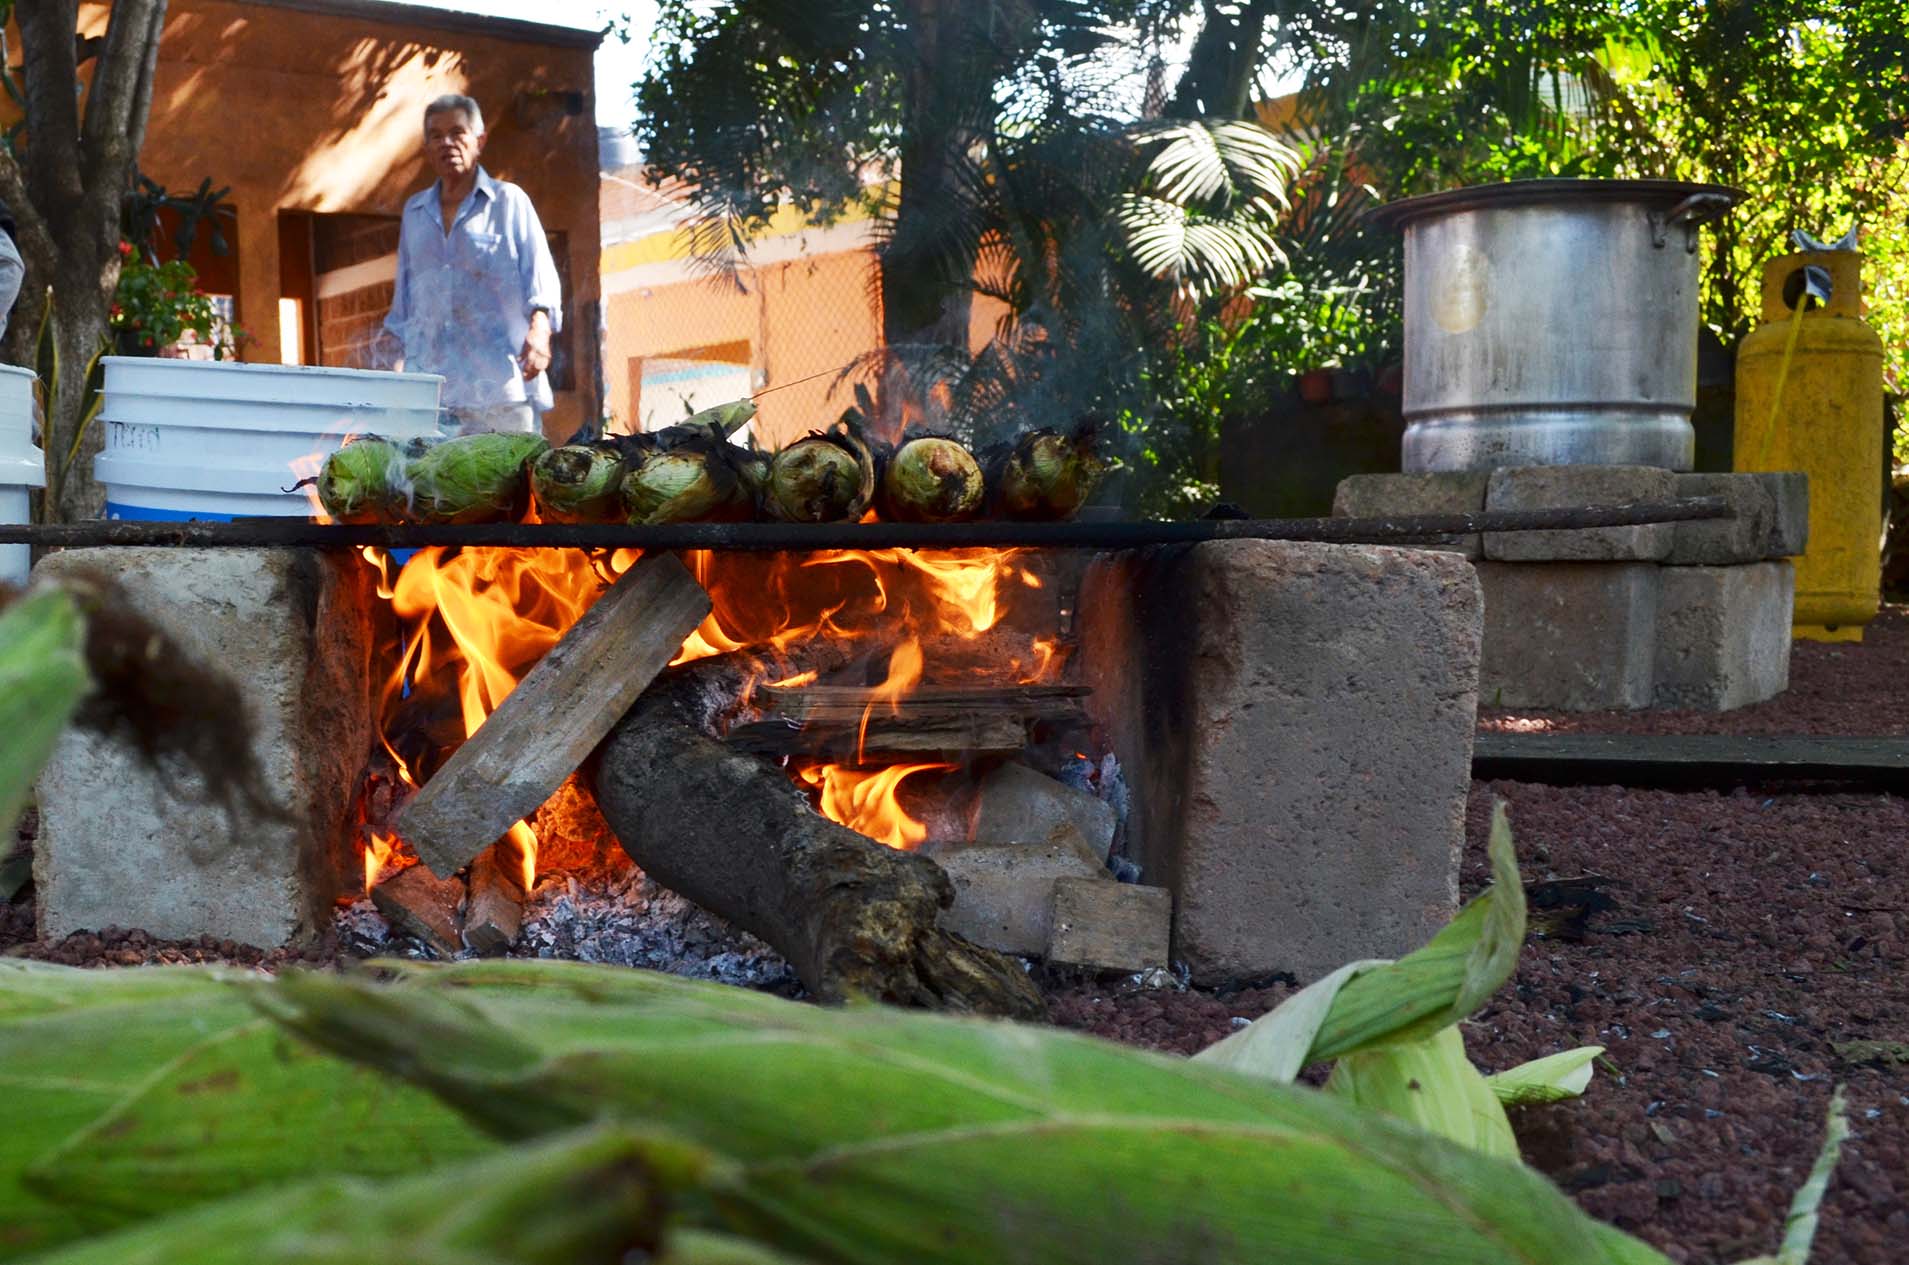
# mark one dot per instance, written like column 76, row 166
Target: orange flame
column 380, row 850
column 865, row 800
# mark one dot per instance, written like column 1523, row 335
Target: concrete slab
column 1004, row 895
column 1561, row 487
column 121, row 846
column 1446, row 492
column 1725, row 541
column 1569, row 636
column 1110, row 926
column 1723, row 635
column 1295, row 724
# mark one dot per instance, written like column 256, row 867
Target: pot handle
column 1693, row 211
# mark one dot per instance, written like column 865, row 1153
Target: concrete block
column 1446, row 492
column 1016, row 804
column 1790, row 498
column 1294, row 722
column 1110, row 926
column 1561, row 487
column 1723, row 635
column 1004, row 895
column 121, row 846
column 1724, row 541
column 1569, row 636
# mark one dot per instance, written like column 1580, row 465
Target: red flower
column 118, row 310
column 125, row 249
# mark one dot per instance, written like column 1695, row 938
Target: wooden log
column 422, row 905
column 846, row 703
column 546, row 727
column 732, row 833
column 494, row 910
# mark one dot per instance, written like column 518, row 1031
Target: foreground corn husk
column 74, row 1043
column 872, row 1135
column 129, row 1094
column 473, row 478
column 595, row 1198
column 1047, row 475
column 690, row 483
column 43, row 677
column 1390, row 1024
column 824, row 478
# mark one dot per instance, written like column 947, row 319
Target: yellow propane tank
column 1809, row 398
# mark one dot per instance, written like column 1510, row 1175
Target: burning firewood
column 733, row 833
column 494, row 910
column 562, row 708
column 423, row 906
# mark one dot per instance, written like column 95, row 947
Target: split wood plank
column 886, row 735
column 556, row 716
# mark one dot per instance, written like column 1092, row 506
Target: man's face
column 451, row 145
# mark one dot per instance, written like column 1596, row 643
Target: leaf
column 1799, row 1226
column 1552, row 1078
column 1430, row 1084
column 43, row 678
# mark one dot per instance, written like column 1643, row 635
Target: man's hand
column 535, row 357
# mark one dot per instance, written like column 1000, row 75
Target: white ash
column 626, row 920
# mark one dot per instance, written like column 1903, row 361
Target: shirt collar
column 426, row 199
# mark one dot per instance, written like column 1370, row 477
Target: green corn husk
column 365, row 482
column 1048, row 476
column 578, row 483
column 828, row 477
column 1431, row 1084
column 690, row 483
column 473, row 478
column 73, row 1044
column 727, row 419
column 43, row 679
column 244, row 1108
column 931, row 479
column 1552, row 1078
column 876, row 1135
column 598, row 1197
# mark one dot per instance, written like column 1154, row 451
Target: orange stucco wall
column 322, row 111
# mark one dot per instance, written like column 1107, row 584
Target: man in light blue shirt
column 476, row 297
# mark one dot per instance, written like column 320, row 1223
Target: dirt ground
column 1738, row 954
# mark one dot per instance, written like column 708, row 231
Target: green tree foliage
column 1801, row 103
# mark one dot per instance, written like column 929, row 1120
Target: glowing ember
column 865, row 800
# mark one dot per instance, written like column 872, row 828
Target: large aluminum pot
column 1552, row 322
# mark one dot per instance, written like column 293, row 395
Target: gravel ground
column 1859, row 688
column 1740, row 948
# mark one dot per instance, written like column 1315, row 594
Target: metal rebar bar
column 794, row 537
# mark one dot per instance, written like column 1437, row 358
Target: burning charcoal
column 1047, row 475
column 494, row 911
column 931, row 479
column 423, row 906
column 578, row 483
column 825, row 478
column 473, row 479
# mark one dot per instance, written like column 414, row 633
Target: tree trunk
column 1218, row 81
column 66, row 195
column 926, row 294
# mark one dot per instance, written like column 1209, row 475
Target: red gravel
column 1858, row 688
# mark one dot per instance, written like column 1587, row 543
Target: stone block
column 1569, row 636
column 1790, row 499
column 1723, row 635
column 1004, row 894
column 1016, row 804
column 119, row 845
column 1445, row 492
column 1294, row 722
column 1565, row 487
column 1724, row 542
column 1110, row 926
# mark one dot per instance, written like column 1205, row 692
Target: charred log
column 732, row 833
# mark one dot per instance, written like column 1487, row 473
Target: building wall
column 304, row 106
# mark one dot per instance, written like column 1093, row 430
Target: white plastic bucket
column 213, row 439
column 21, row 465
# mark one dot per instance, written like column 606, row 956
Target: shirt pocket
column 488, row 249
